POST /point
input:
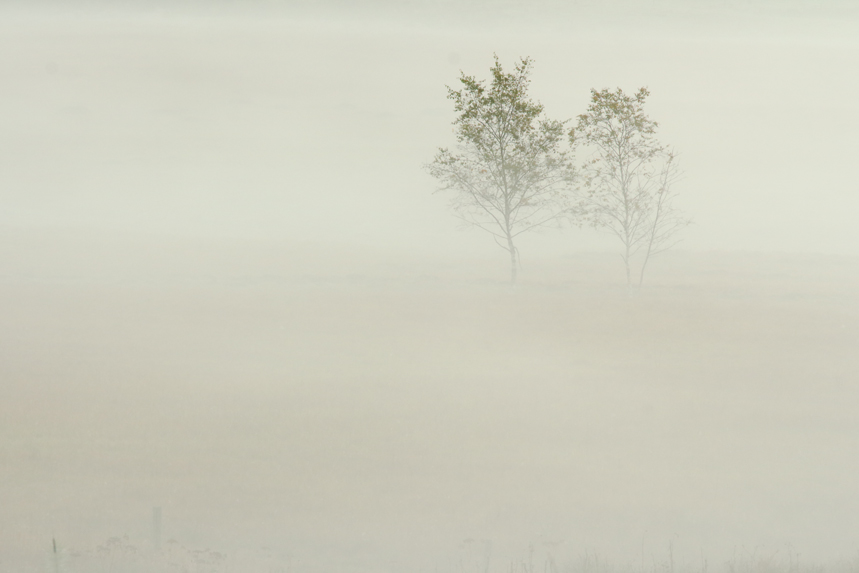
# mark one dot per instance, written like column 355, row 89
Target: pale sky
column 297, row 122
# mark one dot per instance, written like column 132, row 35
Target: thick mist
column 240, row 330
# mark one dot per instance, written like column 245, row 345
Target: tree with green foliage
column 511, row 167
column 628, row 180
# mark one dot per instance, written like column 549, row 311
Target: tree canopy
column 511, row 166
column 628, row 178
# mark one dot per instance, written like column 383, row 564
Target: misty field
column 320, row 410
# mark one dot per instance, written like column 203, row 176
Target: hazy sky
column 311, row 122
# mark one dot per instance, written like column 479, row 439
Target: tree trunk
column 643, row 266
column 514, row 263
column 628, row 275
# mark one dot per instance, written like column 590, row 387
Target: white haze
column 227, row 290
column 247, row 123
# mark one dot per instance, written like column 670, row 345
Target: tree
column 510, row 167
column 629, row 177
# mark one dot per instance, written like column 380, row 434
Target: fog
column 241, row 330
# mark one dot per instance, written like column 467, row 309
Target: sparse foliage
column 510, row 168
column 629, row 177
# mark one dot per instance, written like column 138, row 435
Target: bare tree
column 629, row 177
column 510, row 169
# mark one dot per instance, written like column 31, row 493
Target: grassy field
column 321, row 410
